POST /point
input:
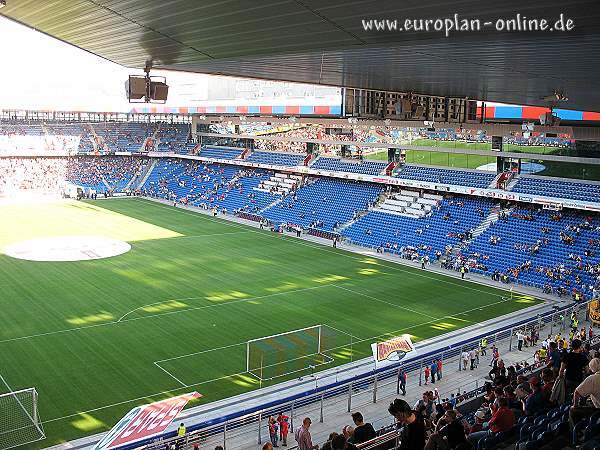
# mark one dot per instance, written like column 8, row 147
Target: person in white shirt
column 590, row 387
column 465, row 359
column 520, row 339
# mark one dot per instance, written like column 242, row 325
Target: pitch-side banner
column 145, row 421
column 393, row 350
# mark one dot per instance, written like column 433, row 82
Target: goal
column 282, row 354
column 19, row 422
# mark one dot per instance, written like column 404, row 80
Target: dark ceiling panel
column 319, row 41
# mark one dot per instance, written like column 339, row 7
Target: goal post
column 300, row 350
column 20, row 422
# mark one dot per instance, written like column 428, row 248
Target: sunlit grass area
column 87, row 334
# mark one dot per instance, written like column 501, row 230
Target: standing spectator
column 465, row 359
column 590, row 387
column 473, row 358
column 363, row 432
column 402, row 381
column 273, row 431
column 554, row 358
column 572, row 366
column 303, row 437
column 427, row 372
column 284, row 428
column 439, row 369
column 433, row 369
column 520, row 339
column 412, row 436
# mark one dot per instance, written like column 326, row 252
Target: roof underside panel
column 316, row 41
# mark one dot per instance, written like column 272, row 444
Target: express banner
column 145, row 421
column 392, row 350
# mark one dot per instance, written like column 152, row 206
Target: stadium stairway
column 134, row 183
column 491, row 218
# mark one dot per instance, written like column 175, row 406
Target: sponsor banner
column 393, row 350
column 594, row 311
column 145, row 421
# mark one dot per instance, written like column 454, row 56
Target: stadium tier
column 324, row 203
column 278, row 159
column 174, row 138
column 104, row 174
column 220, row 152
column 412, row 237
column 550, row 250
column 577, row 190
column 446, row 176
column 228, row 188
column 338, row 165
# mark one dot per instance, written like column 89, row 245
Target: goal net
column 19, row 420
column 302, row 350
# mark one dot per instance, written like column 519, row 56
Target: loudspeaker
column 159, row 91
column 135, row 87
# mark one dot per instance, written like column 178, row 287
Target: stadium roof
column 317, row 41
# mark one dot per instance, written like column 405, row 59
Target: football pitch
column 173, row 314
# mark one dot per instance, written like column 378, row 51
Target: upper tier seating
column 528, row 247
column 338, row 165
column 220, row 153
column 446, row 176
column 279, row 159
column 576, row 190
column 104, row 174
column 324, row 203
column 174, row 138
column 123, row 136
column 447, row 224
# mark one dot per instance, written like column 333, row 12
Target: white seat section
column 427, row 201
column 433, row 197
column 409, row 193
column 416, row 212
column 404, row 198
column 397, row 202
column 389, row 211
column 392, row 207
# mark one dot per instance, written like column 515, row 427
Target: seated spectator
column 412, row 436
column 363, row 432
column 590, row 387
column 536, row 402
column 449, row 433
column 340, row 443
column 503, row 419
column 327, row 445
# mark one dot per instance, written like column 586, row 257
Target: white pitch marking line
column 387, row 303
column 170, row 374
column 233, row 302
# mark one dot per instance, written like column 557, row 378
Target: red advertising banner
column 145, row 421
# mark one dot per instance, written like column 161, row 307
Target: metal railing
column 365, row 388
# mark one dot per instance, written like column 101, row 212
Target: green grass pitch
column 87, row 334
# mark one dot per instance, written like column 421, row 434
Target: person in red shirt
column 503, row 419
column 439, row 369
column 284, row 427
column 427, row 373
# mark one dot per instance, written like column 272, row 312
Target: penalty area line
column 170, row 374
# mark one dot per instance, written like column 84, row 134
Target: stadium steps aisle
column 144, row 177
